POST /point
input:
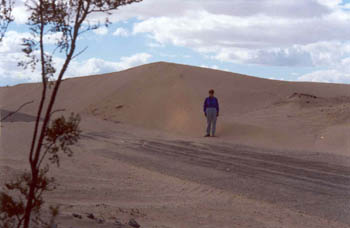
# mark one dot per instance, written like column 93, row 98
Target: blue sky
column 299, row 40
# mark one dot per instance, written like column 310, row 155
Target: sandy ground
column 281, row 158
column 121, row 172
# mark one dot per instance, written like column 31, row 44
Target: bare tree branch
column 6, row 7
column 45, row 153
column 80, row 52
column 17, row 110
column 58, row 110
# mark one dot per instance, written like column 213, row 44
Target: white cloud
column 215, row 67
column 12, row 42
column 313, row 33
column 327, row 53
column 241, row 8
column 134, row 60
column 10, row 71
column 101, row 31
column 99, row 66
column 121, row 32
column 330, row 3
column 20, row 12
column 332, row 76
column 264, row 32
column 11, row 54
column 339, row 73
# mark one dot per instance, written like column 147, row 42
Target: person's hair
column 211, row 91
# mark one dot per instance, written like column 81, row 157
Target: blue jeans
column 211, row 120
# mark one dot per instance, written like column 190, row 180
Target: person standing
column 211, row 111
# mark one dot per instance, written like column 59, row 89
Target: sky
column 299, row 40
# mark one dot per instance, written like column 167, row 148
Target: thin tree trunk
column 30, row 199
column 33, row 165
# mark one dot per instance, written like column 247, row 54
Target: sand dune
column 169, row 97
column 142, row 149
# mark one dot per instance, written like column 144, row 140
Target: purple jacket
column 211, row 102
